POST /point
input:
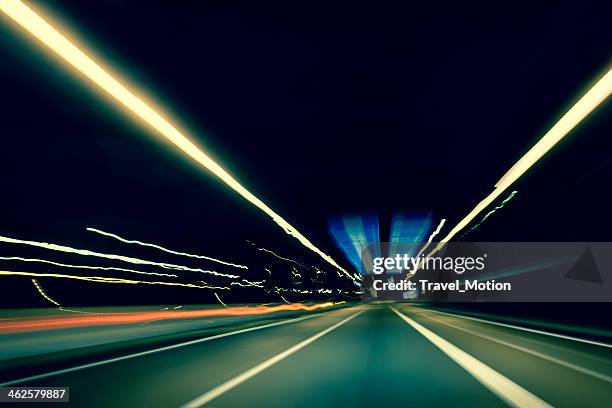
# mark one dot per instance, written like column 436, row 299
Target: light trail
column 355, row 278
column 38, row 27
column 102, row 279
column 161, row 248
column 44, row 294
column 102, row 268
column 429, row 240
column 86, row 252
column 248, row 284
column 581, row 109
column 219, row 299
column 63, row 322
column 437, row 231
column 281, row 257
column 499, row 207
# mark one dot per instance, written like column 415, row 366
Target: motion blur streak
column 101, row 268
column 102, row 279
column 86, row 252
column 431, row 237
column 487, row 215
column 407, row 229
column 50, row 37
column 44, row 294
column 354, row 234
column 219, row 299
column 170, row 251
column 51, row 323
column 281, row 257
column 437, row 231
column 591, row 100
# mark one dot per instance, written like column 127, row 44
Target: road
column 370, row 355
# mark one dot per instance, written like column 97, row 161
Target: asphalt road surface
column 371, row 355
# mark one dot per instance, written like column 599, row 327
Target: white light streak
column 161, row 248
column 38, row 27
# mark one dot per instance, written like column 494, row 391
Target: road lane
column 264, row 365
column 373, row 360
column 173, row 377
column 519, row 355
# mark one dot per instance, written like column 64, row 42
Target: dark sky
column 320, row 110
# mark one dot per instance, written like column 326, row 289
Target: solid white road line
column 153, row 351
column 529, row 351
column 510, row 392
column 511, row 326
column 234, row 382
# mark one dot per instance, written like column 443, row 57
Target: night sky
column 320, row 110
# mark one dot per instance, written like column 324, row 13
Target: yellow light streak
column 591, row 100
column 161, row 248
column 38, row 27
column 269, row 251
column 102, row 279
column 44, row 294
column 101, row 268
column 86, row 252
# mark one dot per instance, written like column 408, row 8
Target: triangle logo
column 585, row 268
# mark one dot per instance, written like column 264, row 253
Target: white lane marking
column 234, row 382
column 157, row 350
column 532, row 352
column 510, row 392
column 511, row 326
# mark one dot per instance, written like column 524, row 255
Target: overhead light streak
column 86, row 252
column 38, row 27
column 581, row 109
column 161, row 248
column 102, row 268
